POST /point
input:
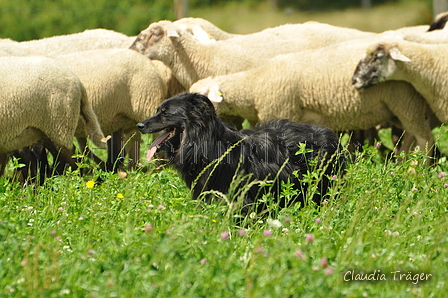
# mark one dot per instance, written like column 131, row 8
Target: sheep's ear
column 201, row 35
column 172, row 33
column 397, row 55
column 214, row 94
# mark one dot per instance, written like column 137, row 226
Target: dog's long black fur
column 194, row 137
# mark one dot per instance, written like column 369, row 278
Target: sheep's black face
column 369, row 70
column 175, row 116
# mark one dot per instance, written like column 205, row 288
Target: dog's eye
column 163, row 111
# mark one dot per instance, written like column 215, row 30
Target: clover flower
column 274, row 223
column 309, row 238
column 299, row 254
column 242, row 232
column 148, row 228
column 267, row 232
column 225, row 235
column 324, row 262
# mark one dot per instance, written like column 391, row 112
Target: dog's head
column 181, row 113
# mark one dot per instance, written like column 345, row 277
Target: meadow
column 380, row 232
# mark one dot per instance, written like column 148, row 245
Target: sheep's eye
column 378, row 56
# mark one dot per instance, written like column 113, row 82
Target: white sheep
column 423, row 36
column 410, row 30
column 191, row 60
column 4, row 53
column 203, row 30
column 91, row 39
column 315, row 86
column 123, row 86
column 10, row 47
column 51, row 46
column 43, row 98
column 207, row 33
column 422, row 65
column 100, row 69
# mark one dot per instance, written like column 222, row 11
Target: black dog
column 194, row 137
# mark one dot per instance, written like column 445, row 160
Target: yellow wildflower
column 90, row 184
column 120, row 195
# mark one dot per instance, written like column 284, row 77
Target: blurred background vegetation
column 33, row 19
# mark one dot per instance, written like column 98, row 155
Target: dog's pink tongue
column 152, row 150
column 151, row 153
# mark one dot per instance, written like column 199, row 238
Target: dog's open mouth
column 156, row 144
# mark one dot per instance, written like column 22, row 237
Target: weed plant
column 144, row 236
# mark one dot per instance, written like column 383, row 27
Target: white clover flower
column 64, row 292
column 274, row 223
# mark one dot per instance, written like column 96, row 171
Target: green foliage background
column 323, row 5
column 32, row 19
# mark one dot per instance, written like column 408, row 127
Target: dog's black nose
column 140, row 126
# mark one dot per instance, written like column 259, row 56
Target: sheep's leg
column 82, row 142
column 3, row 161
column 58, row 164
column 39, row 154
column 37, row 163
column 24, row 157
column 62, row 156
column 66, row 156
column 115, row 151
column 433, row 123
column 132, row 140
column 412, row 117
column 356, row 140
column 397, row 135
column 404, row 144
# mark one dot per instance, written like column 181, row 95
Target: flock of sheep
column 97, row 83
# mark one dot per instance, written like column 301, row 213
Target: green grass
column 144, row 237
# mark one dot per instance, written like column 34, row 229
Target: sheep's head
column 377, row 66
column 208, row 87
column 155, row 41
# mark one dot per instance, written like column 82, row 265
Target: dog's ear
column 202, row 103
